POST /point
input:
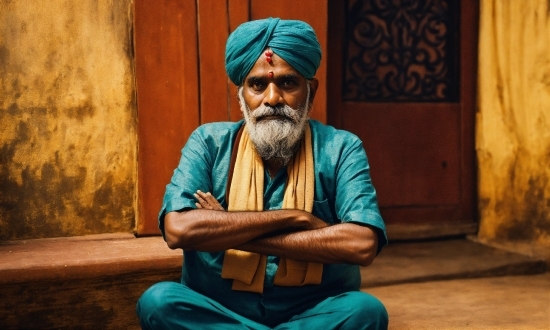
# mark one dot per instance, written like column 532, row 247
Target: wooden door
column 402, row 77
column 181, row 79
column 166, row 58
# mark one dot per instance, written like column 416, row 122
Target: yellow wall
column 67, row 118
column 513, row 122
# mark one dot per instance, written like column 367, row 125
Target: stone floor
column 460, row 284
column 499, row 303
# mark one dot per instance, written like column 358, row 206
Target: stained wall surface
column 67, row 118
column 513, row 122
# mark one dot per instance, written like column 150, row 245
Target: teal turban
column 294, row 41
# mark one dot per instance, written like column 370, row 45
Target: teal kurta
column 343, row 193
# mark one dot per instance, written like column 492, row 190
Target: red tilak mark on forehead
column 268, row 55
column 270, row 73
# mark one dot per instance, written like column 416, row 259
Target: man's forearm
column 210, row 230
column 341, row 243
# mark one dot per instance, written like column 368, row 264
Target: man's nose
column 273, row 96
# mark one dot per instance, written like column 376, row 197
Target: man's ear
column 313, row 85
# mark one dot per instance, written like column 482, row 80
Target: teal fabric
column 294, row 41
column 169, row 305
column 343, row 193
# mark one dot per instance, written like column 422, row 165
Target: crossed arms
column 291, row 234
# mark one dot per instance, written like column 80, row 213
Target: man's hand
column 207, row 201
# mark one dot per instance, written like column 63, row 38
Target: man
column 275, row 213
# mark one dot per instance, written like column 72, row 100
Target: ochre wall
column 513, row 122
column 67, row 118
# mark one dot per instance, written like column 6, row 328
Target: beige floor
column 509, row 302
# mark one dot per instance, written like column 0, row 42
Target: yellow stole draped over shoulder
column 247, row 269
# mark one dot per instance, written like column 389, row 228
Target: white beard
column 276, row 139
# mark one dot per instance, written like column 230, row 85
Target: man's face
column 275, row 83
column 275, row 100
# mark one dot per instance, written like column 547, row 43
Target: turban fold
column 294, row 41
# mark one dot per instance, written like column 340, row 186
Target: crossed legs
column 170, row 305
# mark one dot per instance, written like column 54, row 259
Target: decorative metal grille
column 401, row 50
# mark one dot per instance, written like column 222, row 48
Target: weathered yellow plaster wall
column 67, row 118
column 513, row 122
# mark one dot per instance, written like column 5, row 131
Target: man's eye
column 257, row 86
column 289, row 83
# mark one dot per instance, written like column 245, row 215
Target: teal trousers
column 170, row 305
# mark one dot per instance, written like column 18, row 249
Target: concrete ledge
column 84, row 257
column 412, row 262
column 89, row 282
column 430, row 231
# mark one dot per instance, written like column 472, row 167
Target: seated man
column 275, row 213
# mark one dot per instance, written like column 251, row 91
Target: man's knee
column 366, row 312
column 154, row 302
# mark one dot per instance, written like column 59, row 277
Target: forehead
column 277, row 65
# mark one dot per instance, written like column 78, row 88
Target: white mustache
column 282, row 111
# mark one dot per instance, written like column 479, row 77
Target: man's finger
column 201, row 201
column 208, row 201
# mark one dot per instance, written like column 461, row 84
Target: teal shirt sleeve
column 355, row 195
column 203, row 165
column 344, row 190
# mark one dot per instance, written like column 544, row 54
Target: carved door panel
column 404, row 81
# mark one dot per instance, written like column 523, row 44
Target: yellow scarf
column 247, row 269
